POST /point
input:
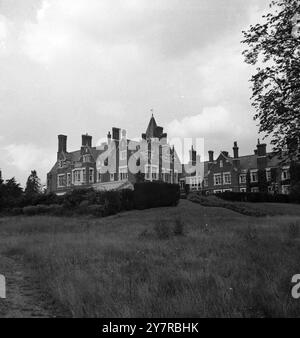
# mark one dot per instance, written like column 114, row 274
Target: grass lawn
column 137, row 264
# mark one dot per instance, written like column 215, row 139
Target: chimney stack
column 261, row 149
column 86, row 140
column 109, row 137
column 193, row 156
column 262, row 160
column 62, row 143
column 116, row 134
column 235, row 150
column 211, row 156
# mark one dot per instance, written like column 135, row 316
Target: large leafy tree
column 273, row 46
column 33, row 185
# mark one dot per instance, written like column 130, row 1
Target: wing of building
column 258, row 172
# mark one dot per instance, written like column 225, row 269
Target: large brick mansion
column 260, row 171
column 81, row 168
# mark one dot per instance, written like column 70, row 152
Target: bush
column 254, row 197
column 155, row 194
column 295, row 193
column 16, row 211
column 96, row 210
column 56, row 210
column 83, row 207
column 145, row 195
column 112, row 202
column 35, row 210
column 73, row 198
column 127, row 199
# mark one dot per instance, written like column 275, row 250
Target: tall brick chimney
column 86, row 140
column 109, row 138
column 235, row 150
column 236, row 160
column 116, row 134
column 62, row 143
column 211, row 156
column 261, row 149
column 193, row 156
column 261, row 155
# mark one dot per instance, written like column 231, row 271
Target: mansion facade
column 88, row 166
column 258, row 172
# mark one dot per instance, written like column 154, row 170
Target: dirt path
column 24, row 297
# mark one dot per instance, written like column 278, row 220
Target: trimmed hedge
column 255, row 197
column 101, row 203
column 155, row 194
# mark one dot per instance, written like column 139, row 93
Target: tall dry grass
column 225, row 265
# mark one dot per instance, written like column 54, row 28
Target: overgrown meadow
column 184, row 261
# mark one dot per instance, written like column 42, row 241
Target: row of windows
column 285, row 175
column 285, row 189
column 77, row 177
column 226, row 179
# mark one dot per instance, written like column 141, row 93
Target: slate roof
column 248, row 162
column 151, row 130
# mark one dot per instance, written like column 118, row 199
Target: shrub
column 127, row 199
column 56, row 210
column 83, row 207
column 295, row 193
column 254, row 197
column 162, row 229
column 73, row 198
column 96, row 210
column 16, row 211
column 35, row 210
column 112, row 202
column 155, row 194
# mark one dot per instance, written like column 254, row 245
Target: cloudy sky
column 77, row 66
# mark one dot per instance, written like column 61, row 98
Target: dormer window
column 221, row 164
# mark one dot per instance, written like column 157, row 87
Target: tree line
column 12, row 194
